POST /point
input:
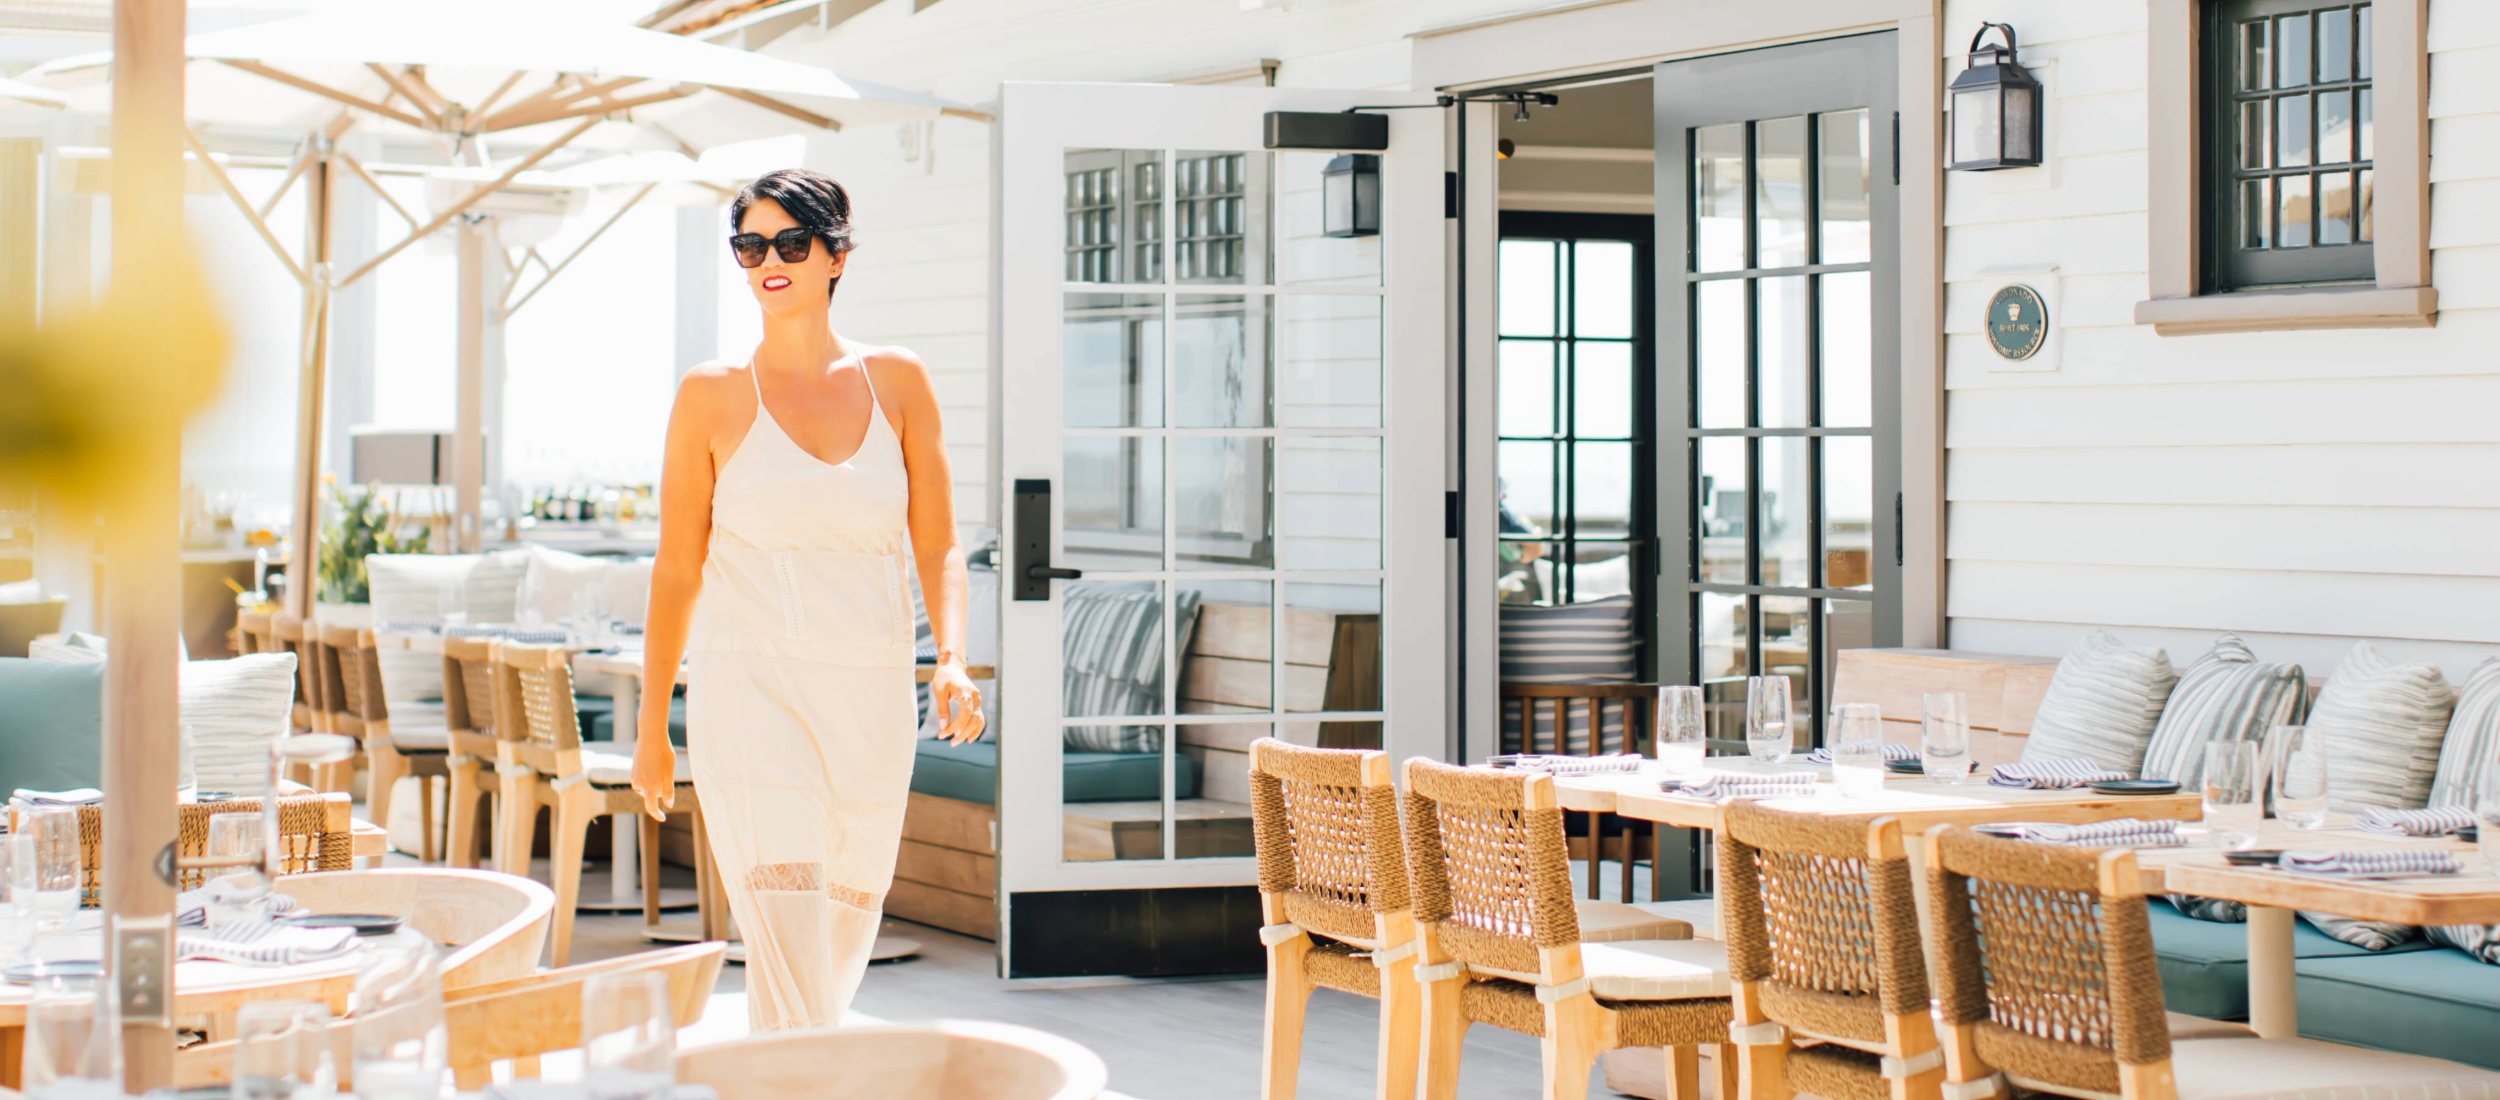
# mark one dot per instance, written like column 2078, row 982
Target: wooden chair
column 469, row 713
column 254, row 632
column 1498, row 936
column 1822, row 939
column 2045, row 980
column 1332, row 890
column 292, row 636
column 316, row 832
column 543, row 764
column 1547, row 716
column 955, row 1059
column 393, row 752
column 339, row 689
column 515, row 1021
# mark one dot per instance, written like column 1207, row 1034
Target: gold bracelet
column 955, row 656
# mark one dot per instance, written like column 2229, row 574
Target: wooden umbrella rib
column 471, row 199
column 555, row 91
column 593, row 109
column 362, row 173
column 433, row 120
column 569, row 257
column 488, row 104
column 236, row 194
column 325, row 91
column 435, row 100
column 778, row 107
column 294, row 172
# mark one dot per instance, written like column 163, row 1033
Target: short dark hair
column 812, row 199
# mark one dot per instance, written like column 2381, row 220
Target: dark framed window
column 1574, row 421
column 2288, row 142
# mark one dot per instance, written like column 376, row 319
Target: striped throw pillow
column 2103, row 704
column 2464, row 761
column 1112, row 654
column 2383, row 723
column 1581, row 643
column 2226, row 695
column 234, row 709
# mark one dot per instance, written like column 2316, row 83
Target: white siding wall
column 2303, row 489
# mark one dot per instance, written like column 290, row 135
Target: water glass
column 282, row 1052
column 402, row 1046
column 587, row 627
column 1767, row 727
column 629, row 1036
column 17, row 897
column 2234, row 806
column 72, row 1034
column 2487, row 816
column 60, row 873
column 1858, row 749
column 2296, row 756
column 1680, row 741
column 1944, row 736
column 235, row 840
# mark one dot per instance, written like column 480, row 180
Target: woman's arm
column 686, row 474
column 935, row 548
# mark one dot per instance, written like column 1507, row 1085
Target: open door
column 1222, row 449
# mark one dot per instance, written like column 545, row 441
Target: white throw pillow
column 2103, row 703
column 409, row 588
column 628, row 586
column 234, row 708
column 554, row 576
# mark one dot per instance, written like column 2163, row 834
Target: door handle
column 1031, row 550
column 1052, row 573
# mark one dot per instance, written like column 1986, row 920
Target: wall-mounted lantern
column 1350, row 196
column 1996, row 109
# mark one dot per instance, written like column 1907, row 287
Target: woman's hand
column 655, row 772
column 958, row 703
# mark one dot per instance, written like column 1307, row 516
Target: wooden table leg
column 2272, row 1011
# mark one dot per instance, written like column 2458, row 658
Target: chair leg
column 1401, row 1029
column 572, row 830
column 1570, row 1047
column 1764, row 1073
column 388, row 767
column 460, row 806
column 1444, row 1037
column 1288, row 1000
column 1723, row 1063
column 518, row 831
column 1628, row 840
column 1684, row 1073
column 430, row 845
column 1597, row 851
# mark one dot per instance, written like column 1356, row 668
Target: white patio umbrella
column 18, row 91
column 484, row 81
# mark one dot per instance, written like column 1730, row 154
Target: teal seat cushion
column 2438, row 1002
column 51, row 724
column 602, row 726
column 2204, row 965
column 969, row 773
column 588, row 708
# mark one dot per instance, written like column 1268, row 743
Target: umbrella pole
column 143, row 565
column 312, row 384
column 468, row 465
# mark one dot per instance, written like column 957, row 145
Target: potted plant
column 365, row 522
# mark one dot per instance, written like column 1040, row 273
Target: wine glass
column 2296, row 755
column 235, row 841
column 1680, row 743
column 1944, row 736
column 72, row 1034
column 629, row 1036
column 1767, row 734
column 17, row 896
column 2233, row 806
column 282, row 1052
column 1858, row 749
column 59, row 872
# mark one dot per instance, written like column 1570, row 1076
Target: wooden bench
column 2004, row 692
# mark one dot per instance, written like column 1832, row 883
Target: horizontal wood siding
column 2305, row 489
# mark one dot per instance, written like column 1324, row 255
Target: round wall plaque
column 2017, row 322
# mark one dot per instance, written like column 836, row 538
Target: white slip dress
column 800, row 709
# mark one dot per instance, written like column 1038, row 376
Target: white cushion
column 2306, row 1069
column 25, row 591
column 1645, row 970
column 409, row 588
column 234, row 709
column 64, row 652
column 2102, row 704
column 616, row 769
column 1612, row 921
column 419, row 738
column 555, row 576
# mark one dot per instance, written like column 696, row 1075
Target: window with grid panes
column 1573, row 320
column 2288, row 157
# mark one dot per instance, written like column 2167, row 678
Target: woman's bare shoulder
column 708, row 386
column 898, row 369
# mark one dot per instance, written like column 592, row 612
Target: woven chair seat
column 2284, row 1069
column 1512, row 1006
column 1838, row 1073
column 1854, row 1019
column 423, row 739
column 1613, row 921
column 1644, row 970
column 610, row 770
column 1342, row 967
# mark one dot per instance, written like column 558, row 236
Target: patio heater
column 1996, row 108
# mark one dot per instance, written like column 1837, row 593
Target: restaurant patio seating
column 1598, row 718
column 955, row 1059
column 421, row 748
column 543, row 764
column 1500, row 943
column 470, row 698
column 316, row 832
column 2044, row 973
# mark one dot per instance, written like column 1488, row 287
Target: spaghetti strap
column 873, row 411
column 755, row 376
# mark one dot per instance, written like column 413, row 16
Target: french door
column 1221, row 441
column 1779, row 400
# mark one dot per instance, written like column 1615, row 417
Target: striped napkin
column 2058, row 774
column 1580, row 765
column 1717, row 787
column 83, row 796
column 2372, row 863
column 411, row 626
column 1891, row 752
column 2124, row 832
column 2437, row 822
column 191, row 906
column 263, row 943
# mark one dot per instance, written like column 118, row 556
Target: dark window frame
column 2229, row 263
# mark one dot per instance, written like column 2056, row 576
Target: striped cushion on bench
column 1579, row 643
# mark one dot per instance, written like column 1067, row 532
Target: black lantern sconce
column 1996, row 109
column 1350, row 196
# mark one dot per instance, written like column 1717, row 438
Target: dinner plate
column 2255, row 857
column 2011, row 832
column 2136, row 786
column 1906, row 767
column 365, row 924
column 30, row 973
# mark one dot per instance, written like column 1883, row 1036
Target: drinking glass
column 402, row 1047
column 59, row 873
column 629, row 1037
column 17, row 897
column 2233, row 806
column 235, row 840
column 2487, row 816
column 1767, row 734
column 282, row 1052
column 584, row 628
column 1680, row 743
column 1858, row 749
column 71, row 1035
column 1944, row 736
column 2296, row 756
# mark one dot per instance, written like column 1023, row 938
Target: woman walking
column 792, row 487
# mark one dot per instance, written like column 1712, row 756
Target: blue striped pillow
column 2226, row 695
column 1579, row 643
column 2466, row 757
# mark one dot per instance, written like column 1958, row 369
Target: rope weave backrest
column 545, row 680
column 1491, row 872
column 1808, row 908
column 290, row 634
column 305, row 840
column 469, row 696
column 359, row 667
column 1327, row 839
column 2058, row 978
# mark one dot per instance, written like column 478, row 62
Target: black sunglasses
column 793, row 244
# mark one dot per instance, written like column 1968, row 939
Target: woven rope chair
column 292, row 637
column 334, row 707
column 1499, row 940
column 542, row 763
column 470, row 698
column 316, row 832
column 254, row 632
column 1332, row 886
column 393, row 752
column 1546, row 719
column 1823, row 946
column 2044, row 973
